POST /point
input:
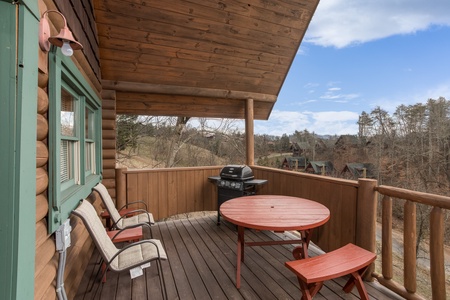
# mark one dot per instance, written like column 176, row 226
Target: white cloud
column 341, row 23
column 328, row 122
column 340, row 97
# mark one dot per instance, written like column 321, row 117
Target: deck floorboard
column 201, row 265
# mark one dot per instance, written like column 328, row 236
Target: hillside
column 150, row 153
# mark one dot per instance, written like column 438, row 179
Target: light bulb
column 66, row 49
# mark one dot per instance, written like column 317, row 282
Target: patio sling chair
column 120, row 221
column 133, row 257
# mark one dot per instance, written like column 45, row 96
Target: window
column 74, row 139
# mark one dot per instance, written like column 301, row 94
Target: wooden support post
column 249, row 132
column 366, row 217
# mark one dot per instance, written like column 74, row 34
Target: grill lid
column 236, row 172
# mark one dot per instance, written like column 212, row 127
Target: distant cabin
column 293, row 163
column 299, row 148
column 358, row 170
column 320, row 167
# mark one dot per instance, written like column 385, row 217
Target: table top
column 275, row 212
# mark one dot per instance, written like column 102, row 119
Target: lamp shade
column 65, row 35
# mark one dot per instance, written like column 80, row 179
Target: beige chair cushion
column 115, row 216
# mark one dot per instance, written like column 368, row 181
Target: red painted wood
column 337, row 263
column 275, row 212
column 128, row 235
column 105, row 215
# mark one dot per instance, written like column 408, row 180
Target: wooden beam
column 137, row 87
column 249, row 132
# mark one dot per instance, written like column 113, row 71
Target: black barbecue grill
column 235, row 181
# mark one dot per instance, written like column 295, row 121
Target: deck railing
column 437, row 206
column 353, row 207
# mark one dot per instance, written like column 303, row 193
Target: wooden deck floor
column 201, row 265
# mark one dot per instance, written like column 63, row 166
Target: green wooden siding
column 18, row 101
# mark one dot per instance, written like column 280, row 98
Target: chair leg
column 162, row 282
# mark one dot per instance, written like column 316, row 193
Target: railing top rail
column 339, row 181
column 131, row 171
column 420, row 197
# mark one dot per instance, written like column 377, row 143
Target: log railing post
column 366, row 217
column 386, row 238
column 409, row 241
column 437, row 261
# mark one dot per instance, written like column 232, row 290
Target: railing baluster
column 437, row 271
column 386, row 238
column 409, row 240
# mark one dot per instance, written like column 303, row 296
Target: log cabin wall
column 80, row 20
column 109, row 141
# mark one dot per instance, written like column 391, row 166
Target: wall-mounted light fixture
column 64, row 39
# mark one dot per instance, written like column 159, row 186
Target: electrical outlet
column 62, row 236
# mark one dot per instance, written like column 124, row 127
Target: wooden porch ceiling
column 200, row 58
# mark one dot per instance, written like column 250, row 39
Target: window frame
column 63, row 197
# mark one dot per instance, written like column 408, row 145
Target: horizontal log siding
column 46, row 259
column 109, row 140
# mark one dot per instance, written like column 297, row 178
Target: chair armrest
column 134, row 202
column 133, row 213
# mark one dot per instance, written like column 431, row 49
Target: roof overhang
column 198, row 58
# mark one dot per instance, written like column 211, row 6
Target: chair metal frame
column 108, row 250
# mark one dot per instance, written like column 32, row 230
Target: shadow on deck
column 201, row 265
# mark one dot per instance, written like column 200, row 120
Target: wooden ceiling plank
column 145, row 61
column 202, row 30
column 219, row 14
column 126, row 50
column 197, row 10
column 148, row 39
column 211, row 75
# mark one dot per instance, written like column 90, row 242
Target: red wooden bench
column 348, row 260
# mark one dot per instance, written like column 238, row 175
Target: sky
column 358, row 55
